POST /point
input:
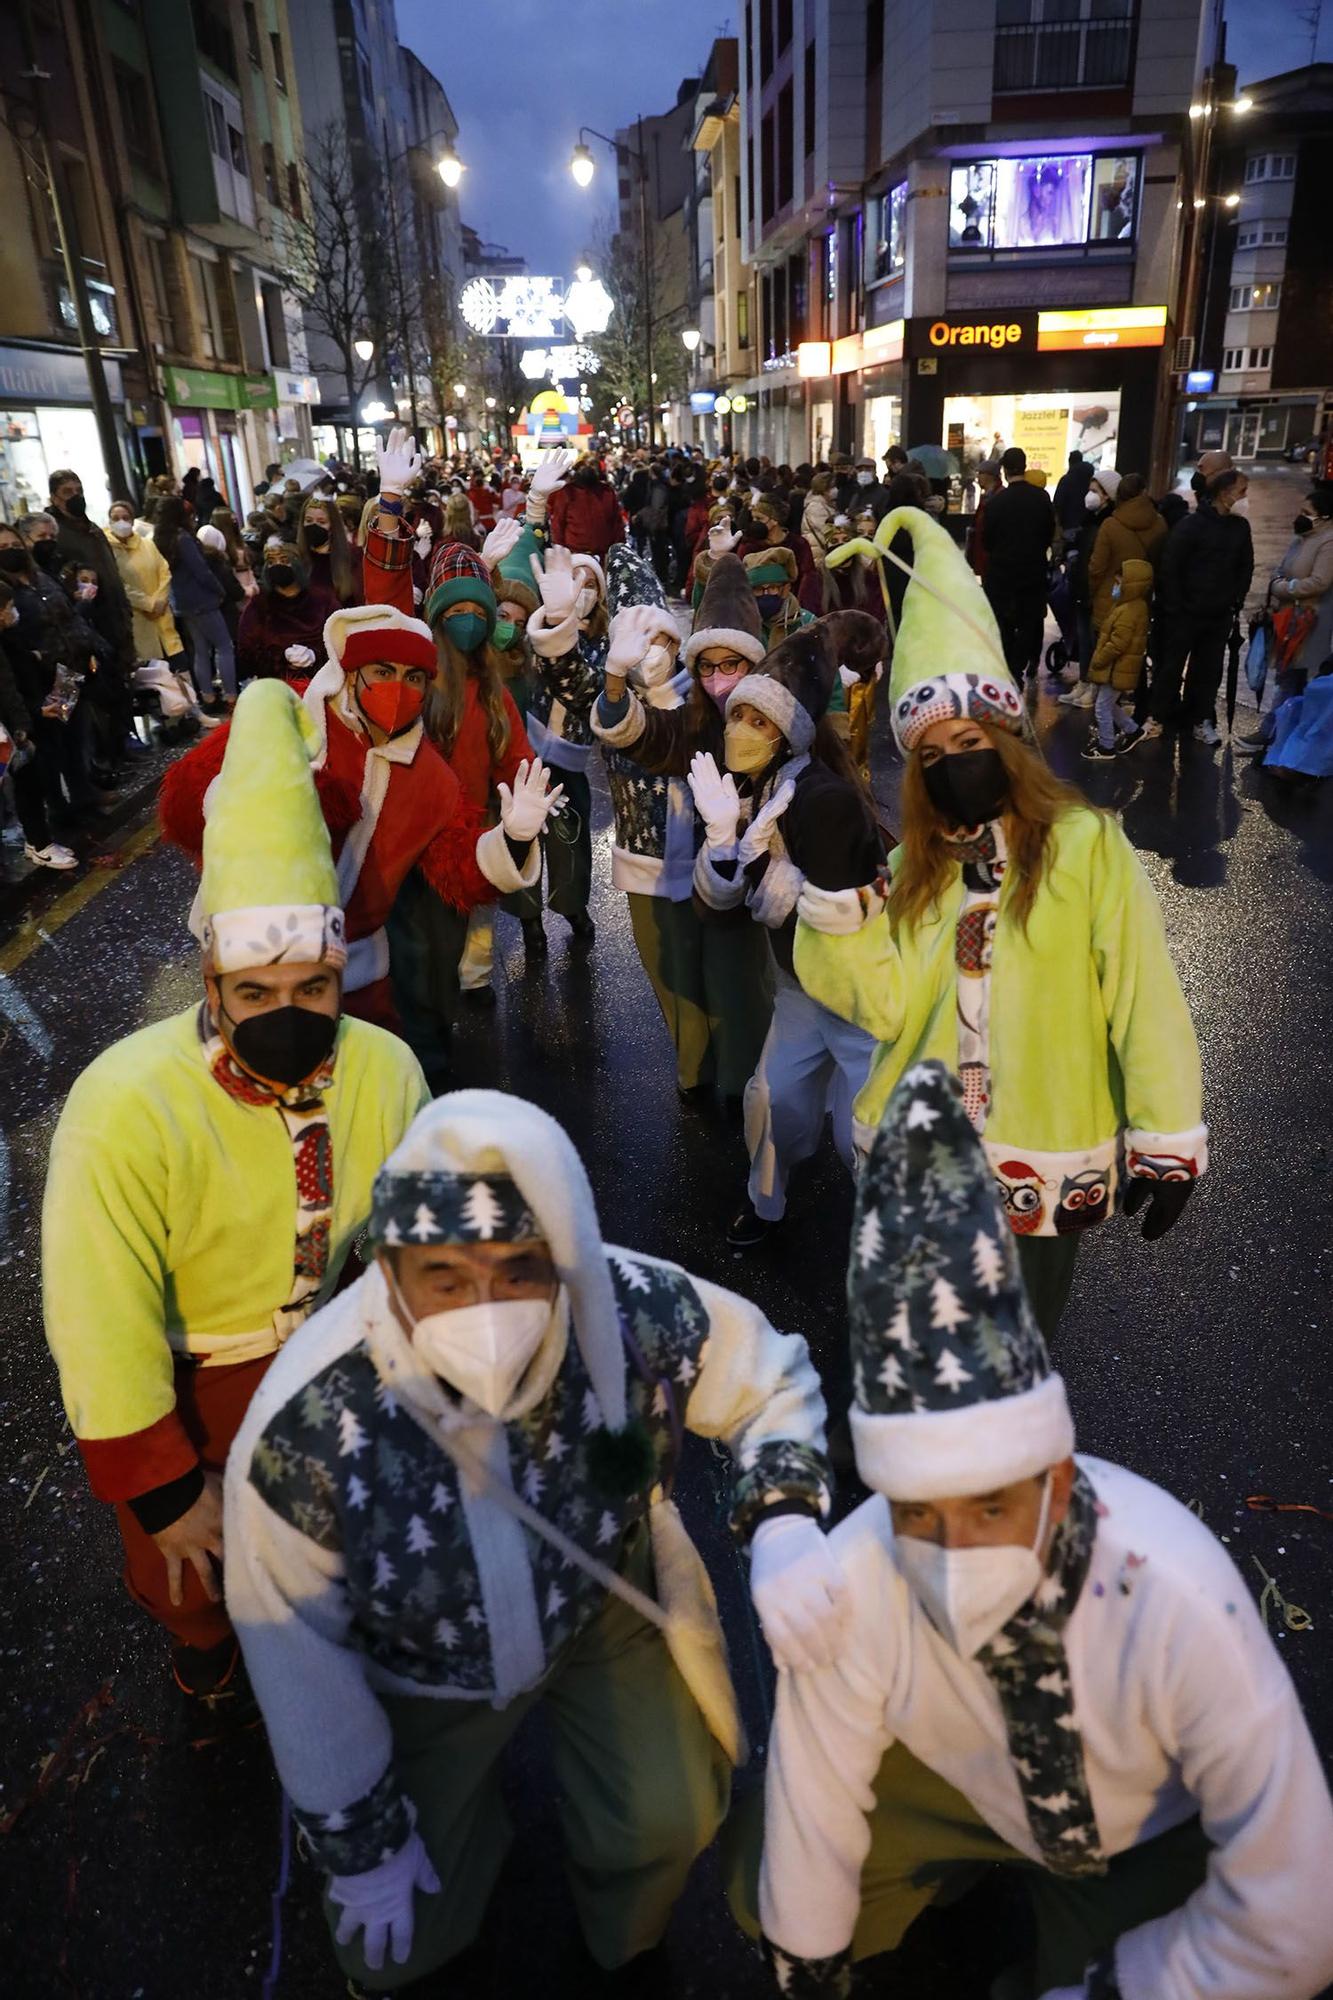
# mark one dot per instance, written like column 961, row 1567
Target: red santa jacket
column 585, row 519
column 388, row 578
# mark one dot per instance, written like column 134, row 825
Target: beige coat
column 1308, row 564
column 147, row 582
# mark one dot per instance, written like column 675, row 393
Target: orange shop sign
column 1095, row 327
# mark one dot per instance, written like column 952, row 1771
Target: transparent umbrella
column 936, row 462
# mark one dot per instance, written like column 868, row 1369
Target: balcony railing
column 1063, row 55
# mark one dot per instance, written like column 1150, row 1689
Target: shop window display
column 1058, row 200
column 887, row 245
column 1047, row 425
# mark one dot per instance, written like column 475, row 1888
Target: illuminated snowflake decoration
column 588, row 306
column 534, row 363
column 565, row 363
column 531, row 306
column 479, row 305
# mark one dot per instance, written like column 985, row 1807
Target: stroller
column 1060, row 600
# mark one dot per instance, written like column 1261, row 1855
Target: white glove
column 838, row 912
column 762, row 831
column 632, row 633
column 399, row 462
column 380, row 1902
column 551, row 471
column 557, row 585
column 716, row 798
column 720, row 538
column 502, row 540
column 525, row 810
column 423, row 538
column 299, row 658
column 799, row 1592
column 849, row 677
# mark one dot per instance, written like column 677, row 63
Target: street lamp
column 459, row 391
column 450, row 168
column 363, row 348
column 582, row 166
column 691, row 337
column 584, row 274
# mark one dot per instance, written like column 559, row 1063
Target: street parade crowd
column 390, row 1429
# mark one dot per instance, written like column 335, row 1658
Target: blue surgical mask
column 466, row 631
column 770, row 603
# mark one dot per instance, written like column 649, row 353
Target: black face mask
column 14, row 562
column 1302, row 525
column 279, row 575
column 969, row 788
column 76, row 505
column 46, row 555
column 285, row 1045
column 318, row 538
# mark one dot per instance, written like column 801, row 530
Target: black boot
column 583, row 927
column 534, row 937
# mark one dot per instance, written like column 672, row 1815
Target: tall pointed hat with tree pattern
column 953, row 1388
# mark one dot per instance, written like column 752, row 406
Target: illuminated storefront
column 1053, row 382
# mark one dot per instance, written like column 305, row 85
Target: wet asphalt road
column 140, row 1867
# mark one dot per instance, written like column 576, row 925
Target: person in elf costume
column 659, row 739
column 208, row 1176
column 689, row 961
column 1052, row 1665
column 471, row 720
column 789, row 811
column 1018, row 939
column 451, row 1501
column 391, row 803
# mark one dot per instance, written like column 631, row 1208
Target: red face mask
column 391, row 705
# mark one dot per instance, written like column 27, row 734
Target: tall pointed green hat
column 947, row 657
column 269, row 893
column 512, row 579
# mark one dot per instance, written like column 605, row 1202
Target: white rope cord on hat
column 915, row 576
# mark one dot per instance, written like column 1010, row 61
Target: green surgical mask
column 504, row 633
column 466, row 631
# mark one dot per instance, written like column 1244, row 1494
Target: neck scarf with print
column 301, row 1109
column 1027, row 1664
column 984, row 857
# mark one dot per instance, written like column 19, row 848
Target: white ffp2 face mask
column 484, row 1351
column 971, row 1594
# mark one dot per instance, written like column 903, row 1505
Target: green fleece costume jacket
column 169, row 1224
column 1094, row 1066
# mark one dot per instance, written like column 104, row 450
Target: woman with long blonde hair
column 1016, row 938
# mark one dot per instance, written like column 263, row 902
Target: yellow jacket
column 147, row 582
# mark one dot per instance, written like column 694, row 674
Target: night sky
column 523, row 75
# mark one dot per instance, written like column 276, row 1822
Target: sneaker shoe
column 53, row 855
column 748, row 1230
column 1207, row 732
column 1082, row 696
column 1251, row 746
column 1096, row 752
column 1130, row 740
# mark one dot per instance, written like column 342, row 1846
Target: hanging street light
column 363, row 348
column 691, row 337
column 450, row 168
column 459, row 391
column 582, row 165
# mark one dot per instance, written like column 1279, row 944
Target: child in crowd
column 1117, row 664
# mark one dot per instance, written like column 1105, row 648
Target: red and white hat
column 361, row 635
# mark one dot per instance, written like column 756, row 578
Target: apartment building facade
column 182, row 150
column 724, row 308
column 966, row 220
column 1264, row 375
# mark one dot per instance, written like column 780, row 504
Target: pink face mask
column 718, row 682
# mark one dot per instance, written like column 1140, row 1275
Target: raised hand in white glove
column 399, row 462
column 716, row 798
column 799, row 1591
column 380, row 1902
column 838, row 912
column 762, row 831
column 502, row 540
column 299, row 658
column 525, row 810
column 423, row 537
column 632, row 633
column 721, row 540
column 557, row 585
column 551, row 471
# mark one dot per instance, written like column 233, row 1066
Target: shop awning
column 203, row 389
